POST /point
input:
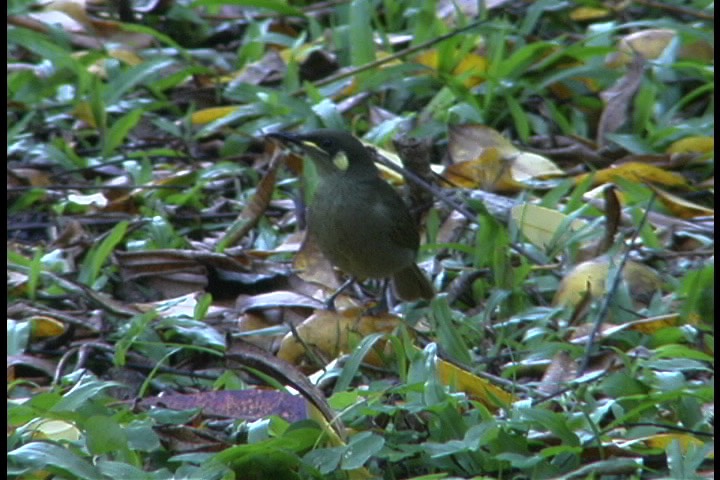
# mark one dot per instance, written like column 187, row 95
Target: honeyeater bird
column 359, row 221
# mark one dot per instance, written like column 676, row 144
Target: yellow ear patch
column 341, row 161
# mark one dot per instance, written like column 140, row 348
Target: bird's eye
column 326, row 143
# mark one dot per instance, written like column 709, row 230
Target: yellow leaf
column 480, row 389
column 527, row 166
column 472, row 66
column 43, row 327
column 483, row 158
column 73, row 8
column 654, row 324
column 83, row 112
column 649, row 43
column 127, row 56
column 636, row 172
column 488, row 171
column 428, row 58
column 56, row 430
column 592, row 276
column 465, row 142
column 207, row 115
column 588, row 13
column 679, row 206
column 698, row 51
column 663, row 441
column 330, row 333
column 540, row 224
column 697, row 144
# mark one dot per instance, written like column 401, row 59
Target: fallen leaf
column 477, row 387
column 636, row 172
column 541, row 225
column 650, row 44
column 592, row 276
column 483, row 158
column 330, row 333
column 618, row 99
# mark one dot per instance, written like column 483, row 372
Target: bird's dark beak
column 284, row 137
column 306, row 146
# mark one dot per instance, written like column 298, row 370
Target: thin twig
column 605, row 306
column 388, row 59
column 437, row 192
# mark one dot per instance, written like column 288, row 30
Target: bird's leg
column 382, row 306
column 330, row 302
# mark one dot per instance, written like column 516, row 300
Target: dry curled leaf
column 636, row 172
column 483, row 158
column 331, row 333
column 592, row 276
column 479, row 388
column 650, row 44
column 618, row 99
column 540, row 225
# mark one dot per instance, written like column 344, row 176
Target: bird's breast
column 352, row 223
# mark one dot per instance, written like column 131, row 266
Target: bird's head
column 332, row 151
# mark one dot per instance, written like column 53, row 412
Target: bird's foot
column 330, row 302
column 382, row 306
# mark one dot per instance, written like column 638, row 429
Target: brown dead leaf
column 613, row 216
column 177, row 272
column 255, row 207
column 72, row 235
column 270, row 68
column 244, row 355
column 452, row 228
column 277, row 299
column 22, row 360
column 28, row 177
column 83, row 31
column 312, row 266
column 164, row 272
column 251, row 404
column 618, row 99
column 562, row 369
column 250, row 322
